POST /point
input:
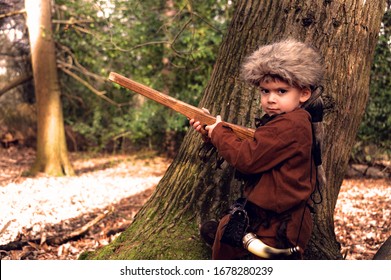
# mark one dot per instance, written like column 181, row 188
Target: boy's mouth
column 272, row 110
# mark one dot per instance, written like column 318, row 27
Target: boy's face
column 279, row 97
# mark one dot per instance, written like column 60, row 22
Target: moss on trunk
column 170, row 242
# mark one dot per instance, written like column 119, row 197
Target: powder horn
column 257, row 247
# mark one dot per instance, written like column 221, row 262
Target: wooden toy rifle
column 191, row 112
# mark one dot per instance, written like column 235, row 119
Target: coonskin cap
column 294, row 62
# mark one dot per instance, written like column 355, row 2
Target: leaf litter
column 34, row 211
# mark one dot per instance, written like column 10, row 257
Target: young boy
column 286, row 74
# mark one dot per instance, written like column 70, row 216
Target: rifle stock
column 181, row 107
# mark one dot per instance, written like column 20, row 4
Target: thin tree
column 52, row 156
column 198, row 187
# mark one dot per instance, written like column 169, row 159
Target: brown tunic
column 281, row 151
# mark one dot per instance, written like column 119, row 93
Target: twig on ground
column 55, row 240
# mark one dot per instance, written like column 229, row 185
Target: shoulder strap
column 315, row 108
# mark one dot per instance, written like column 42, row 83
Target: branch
column 85, row 228
column 55, row 240
column 72, row 21
column 78, row 66
column 116, row 47
column 207, row 22
column 101, row 94
column 63, row 64
column 177, row 36
column 14, row 83
column 22, row 11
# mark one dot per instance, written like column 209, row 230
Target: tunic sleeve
column 274, row 143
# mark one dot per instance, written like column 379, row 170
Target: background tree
column 17, row 114
column 164, row 39
column 51, row 157
column 193, row 191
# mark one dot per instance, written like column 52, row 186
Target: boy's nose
column 272, row 98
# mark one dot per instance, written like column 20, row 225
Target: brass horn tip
column 295, row 249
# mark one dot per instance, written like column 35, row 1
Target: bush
column 374, row 132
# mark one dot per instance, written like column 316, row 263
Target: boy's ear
column 305, row 95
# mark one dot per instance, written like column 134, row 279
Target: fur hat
column 294, row 62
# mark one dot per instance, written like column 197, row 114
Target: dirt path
column 115, row 187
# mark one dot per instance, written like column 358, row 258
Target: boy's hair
column 291, row 61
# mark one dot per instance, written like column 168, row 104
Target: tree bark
column 193, row 190
column 52, row 156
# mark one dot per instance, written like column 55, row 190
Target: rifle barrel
column 179, row 106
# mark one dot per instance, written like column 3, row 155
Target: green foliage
column 168, row 45
column 375, row 129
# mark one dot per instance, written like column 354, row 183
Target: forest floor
column 46, row 218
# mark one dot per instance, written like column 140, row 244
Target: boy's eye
column 264, row 91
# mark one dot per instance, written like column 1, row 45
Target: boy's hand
column 207, row 130
column 198, row 127
column 210, row 128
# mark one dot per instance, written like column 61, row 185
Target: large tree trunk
column 52, row 156
column 193, row 190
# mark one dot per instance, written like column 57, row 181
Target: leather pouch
column 237, row 225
